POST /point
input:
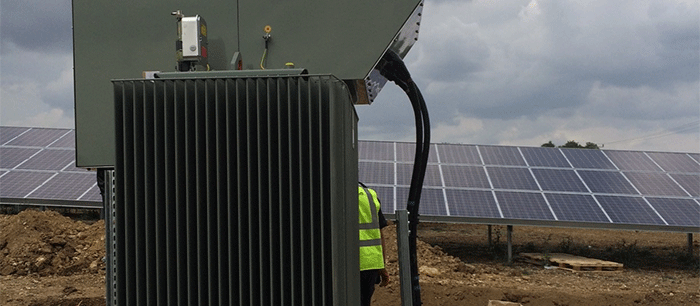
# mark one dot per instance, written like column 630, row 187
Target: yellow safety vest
column 371, row 253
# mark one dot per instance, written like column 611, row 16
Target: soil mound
column 47, row 243
column 434, row 265
column 49, row 259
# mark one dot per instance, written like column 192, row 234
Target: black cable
column 424, row 154
column 393, row 68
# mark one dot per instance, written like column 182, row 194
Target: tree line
column 571, row 144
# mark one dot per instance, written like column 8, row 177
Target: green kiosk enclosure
column 231, row 132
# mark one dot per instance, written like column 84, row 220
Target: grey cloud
column 50, row 72
column 432, row 2
column 645, row 103
column 491, row 14
column 511, row 100
column 61, row 98
column 612, row 44
column 453, row 60
column 619, row 45
column 389, row 117
column 37, row 25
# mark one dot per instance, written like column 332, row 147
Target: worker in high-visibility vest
column 372, row 259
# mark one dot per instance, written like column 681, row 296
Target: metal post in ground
column 690, row 244
column 404, row 257
column 489, row 237
column 510, row 244
column 109, row 206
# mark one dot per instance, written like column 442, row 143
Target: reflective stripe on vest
column 371, row 256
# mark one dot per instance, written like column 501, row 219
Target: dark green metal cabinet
column 122, row 39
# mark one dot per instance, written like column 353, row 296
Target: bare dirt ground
column 49, row 259
column 459, row 268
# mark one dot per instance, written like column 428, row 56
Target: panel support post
column 108, row 202
column 489, row 237
column 404, row 257
column 690, row 244
column 510, row 244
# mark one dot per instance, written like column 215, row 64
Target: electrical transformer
column 235, row 191
column 235, row 155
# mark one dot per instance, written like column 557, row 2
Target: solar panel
column 681, row 212
column 544, row 157
column 66, row 186
column 504, row 185
column 386, row 197
column 376, row 173
column 465, row 176
column 607, row 182
column 459, row 154
column 38, row 165
column 49, row 160
column 695, row 157
column 675, row 162
column 629, row 210
column 404, row 172
column 627, row 160
column 587, row 159
column 72, row 168
column 655, row 184
column 406, row 152
column 19, row 184
column 66, row 141
column 373, row 150
column 7, row 133
column 432, row 202
column 523, row 205
column 689, row 182
column 472, row 203
column 13, row 157
column 536, row 184
column 559, row 180
column 91, row 195
column 502, row 156
column 511, row 178
column 38, row 137
column 576, row 207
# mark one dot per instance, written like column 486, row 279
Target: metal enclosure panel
column 121, row 39
column 345, row 38
column 236, row 191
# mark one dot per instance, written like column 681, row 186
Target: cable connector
column 392, row 67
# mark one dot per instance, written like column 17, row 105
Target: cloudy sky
column 624, row 73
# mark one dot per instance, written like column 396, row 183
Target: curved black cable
column 414, row 193
column 393, row 68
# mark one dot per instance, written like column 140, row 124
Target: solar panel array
column 540, row 186
column 37, row 166
column 463, row 183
